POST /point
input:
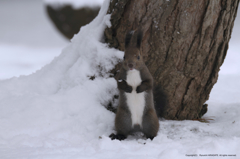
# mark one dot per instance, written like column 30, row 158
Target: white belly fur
column 135, row 101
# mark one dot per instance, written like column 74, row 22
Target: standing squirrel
column 136, row 110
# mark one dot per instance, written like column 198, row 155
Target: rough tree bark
column 184, row 45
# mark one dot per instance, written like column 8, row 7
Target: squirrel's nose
column 130, row 65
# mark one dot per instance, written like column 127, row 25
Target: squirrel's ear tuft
column 128, row 38
column 139, row 38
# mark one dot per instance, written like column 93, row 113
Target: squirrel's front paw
column 122, row 84
column 128, row 89
column 139, row 90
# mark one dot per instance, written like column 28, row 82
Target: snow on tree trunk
column 184, row 45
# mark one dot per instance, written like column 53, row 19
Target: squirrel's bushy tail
column 160, row 100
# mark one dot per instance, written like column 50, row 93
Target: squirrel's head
column 132, row 56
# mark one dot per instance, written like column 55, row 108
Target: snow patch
column 75, row 3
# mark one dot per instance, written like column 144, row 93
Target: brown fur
column 123, row 123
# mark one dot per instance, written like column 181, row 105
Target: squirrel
column 135, row 110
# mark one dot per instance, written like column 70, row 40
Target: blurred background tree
column 69, row 16
column 69, row 20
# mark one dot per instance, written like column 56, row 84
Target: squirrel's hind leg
column 150, row 124
column 123, row 124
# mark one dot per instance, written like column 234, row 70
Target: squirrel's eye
column 138, row 57
column 124, row 57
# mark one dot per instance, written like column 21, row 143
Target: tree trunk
column 184, row 44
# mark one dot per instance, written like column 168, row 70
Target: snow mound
column 60, row 105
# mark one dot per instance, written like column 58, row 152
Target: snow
column 75, row 3
column 26, row 60
column 26, row 46
column 58, row 112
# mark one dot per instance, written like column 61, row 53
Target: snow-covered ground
column 28, row 40
column 58, row 113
